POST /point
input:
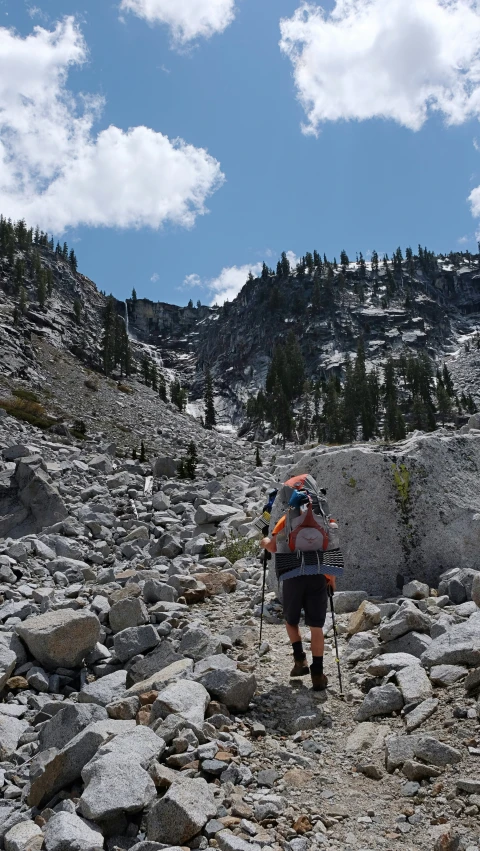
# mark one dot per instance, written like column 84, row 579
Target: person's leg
column 292, row 609
column 315, row 612
column 317, row 641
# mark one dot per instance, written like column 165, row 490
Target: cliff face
column 417, row 311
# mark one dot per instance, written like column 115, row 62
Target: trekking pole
column 337, row 656
column 263, row 595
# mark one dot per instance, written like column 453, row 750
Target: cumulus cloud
column 227, row 285
column 392, row 59
column 55, row 171
column 187, row 19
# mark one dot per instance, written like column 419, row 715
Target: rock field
column 137, row 709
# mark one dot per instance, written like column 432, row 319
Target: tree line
column 360, row 405
column 21, row 249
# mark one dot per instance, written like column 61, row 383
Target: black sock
column 298, row 652
column 317, row 664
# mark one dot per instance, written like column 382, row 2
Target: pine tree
column 344, row 261
column 190, row 303
column 285, row 265
column 447, row 381
column 208, row 397
column 143, row 456
column 191, row 460
column 134, row 453
column 162, row 388
column 22, row 302
column 146, row 370
column 73, row 260
column 444, row 403
column 258, row 460
column 42, row 289
column 316, row 298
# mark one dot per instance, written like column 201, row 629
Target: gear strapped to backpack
column 307, row 536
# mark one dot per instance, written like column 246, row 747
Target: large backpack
column 306, row 525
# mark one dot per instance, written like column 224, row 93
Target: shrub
column 27, row 395
column 79, row 430
column 234, row 548
column 124, row 388
column 27, row 411
column 91, row 385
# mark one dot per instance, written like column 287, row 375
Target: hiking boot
column 300, row 668
column 319, row 680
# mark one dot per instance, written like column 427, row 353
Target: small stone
column 370, row 770
column 416, row 590
column 267, row 777
column 302, row 825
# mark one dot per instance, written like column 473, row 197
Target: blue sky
column 365, row 179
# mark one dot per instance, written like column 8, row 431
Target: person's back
column 305, row 566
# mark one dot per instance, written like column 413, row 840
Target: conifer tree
column 344, row 261
column 208, row 398
column 22, row 302
column 73, row 260
column 162, row 388
column 258, row 460
column 146, row 370
column 444, row 403
column 191, row 460
column 41, row 289
column 143, row 456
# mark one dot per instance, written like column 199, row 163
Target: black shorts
column 308, row 593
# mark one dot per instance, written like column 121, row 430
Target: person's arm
column 269, row 544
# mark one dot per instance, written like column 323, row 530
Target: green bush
column 234, row 549
column 27, row 395
column 28, row 412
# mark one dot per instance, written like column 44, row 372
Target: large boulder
column 115, row 783
column 66, row 831
column 212, row 513
column 182, row 813
column 407, row 619
column 186, row 698
column 476, row 590
column 164, row 466
column 459, row 645
column 408, row 511
column 67, row 723
column 53, row 769
column 233, row 688
column 37, row 493
column 60, row 639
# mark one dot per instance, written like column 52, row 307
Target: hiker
column 299, row 541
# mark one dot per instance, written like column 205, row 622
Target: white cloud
column 392, row 59
column 187, row 19
column 227, row 285
column 55, row 171
column 155, row 277
column 230, row 281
